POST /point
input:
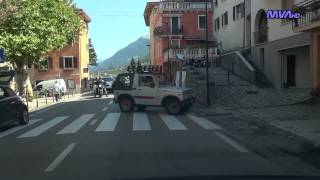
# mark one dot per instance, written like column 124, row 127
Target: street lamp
column 149, row 54
column 207, row 56
column 170, row 79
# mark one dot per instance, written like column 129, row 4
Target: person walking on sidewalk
column 57, row 91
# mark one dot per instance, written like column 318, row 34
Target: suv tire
column 126, row 104
column 23, row 117
column 173, row 106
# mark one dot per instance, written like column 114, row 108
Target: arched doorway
column 261, row 27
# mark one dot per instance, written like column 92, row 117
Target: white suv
column 142, row 89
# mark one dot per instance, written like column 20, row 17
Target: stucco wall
column 231, row 35
column 273, row 54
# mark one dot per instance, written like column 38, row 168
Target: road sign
column 2, row 55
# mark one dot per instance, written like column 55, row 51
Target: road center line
column 60, row 158
column 110, row 102
column 105, row 109
column 232, row 142
column 93, row 122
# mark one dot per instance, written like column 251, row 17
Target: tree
column 92, row 54
column 35, row 28
column 132, row 63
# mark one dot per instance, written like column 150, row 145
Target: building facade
column 69, row 63
column 178, row 28
column 282, row 54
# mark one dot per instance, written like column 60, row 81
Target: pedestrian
column 57, row 90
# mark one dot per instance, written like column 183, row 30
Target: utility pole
column 207, row 57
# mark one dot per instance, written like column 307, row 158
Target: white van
column 45, row 86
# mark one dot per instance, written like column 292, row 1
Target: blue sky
column 115, row 23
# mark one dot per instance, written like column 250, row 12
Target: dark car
column 12, row 108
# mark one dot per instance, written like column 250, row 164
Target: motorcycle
column 98, row 90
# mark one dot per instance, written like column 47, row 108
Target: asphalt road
column 92, row 139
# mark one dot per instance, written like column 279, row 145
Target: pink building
column 179, row 26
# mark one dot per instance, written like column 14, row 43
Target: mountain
column 138, row 48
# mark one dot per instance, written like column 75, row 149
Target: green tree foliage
column 132, row 63
column 32, row 28
column 92, row 54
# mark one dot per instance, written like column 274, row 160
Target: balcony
column 166, row 6
column 310, row 16
column 193, row 53
column 165, row 31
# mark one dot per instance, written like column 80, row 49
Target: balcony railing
column 310, row 13
column 180, row 6
column 192, row 53
column 165, row 31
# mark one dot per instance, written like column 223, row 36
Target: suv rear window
column 123, row 81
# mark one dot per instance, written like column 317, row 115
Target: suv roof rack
column 151, row 69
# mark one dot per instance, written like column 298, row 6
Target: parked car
column 12, row 107
column 46, row 86
column 142, row 89
column 108, row 83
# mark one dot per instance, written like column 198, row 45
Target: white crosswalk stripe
column 172, row 122
column 141, row 122
column 76, row 125
column 44, row 127
column 18, row 128
column 109, row 123
column 204, row 123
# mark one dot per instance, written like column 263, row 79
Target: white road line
column 141, row 122
column 204, row 123
column 60, row 158
column 42, row 128
column 15, row 129
column 105, row 109
column 76, row 125
column 172, row 122
column 109, row 123
column 111, row 102
column 232, row 142
column 93, row 122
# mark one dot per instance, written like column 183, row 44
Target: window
column 202, row 22
column 85, row 70
column 68, row 62
column 44, row 64
column 175, row 25
column 123, row 81
column 71, row 84
column 217, row 24
column 146, row 81
column 216, row 3
column 224, row 19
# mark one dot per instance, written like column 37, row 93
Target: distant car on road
column 108, row 83
column 12, row 107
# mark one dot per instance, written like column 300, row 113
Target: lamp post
column 149, row 54
column 207, row 57
column 169, row 67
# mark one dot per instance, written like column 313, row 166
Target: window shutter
column 61, row 62
column 75, row 62
column 234, row 13
column 50, row 63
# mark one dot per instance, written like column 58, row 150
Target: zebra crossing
column 110, row 123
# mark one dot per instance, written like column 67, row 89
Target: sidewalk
column 302, row 120
column 41, row 103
